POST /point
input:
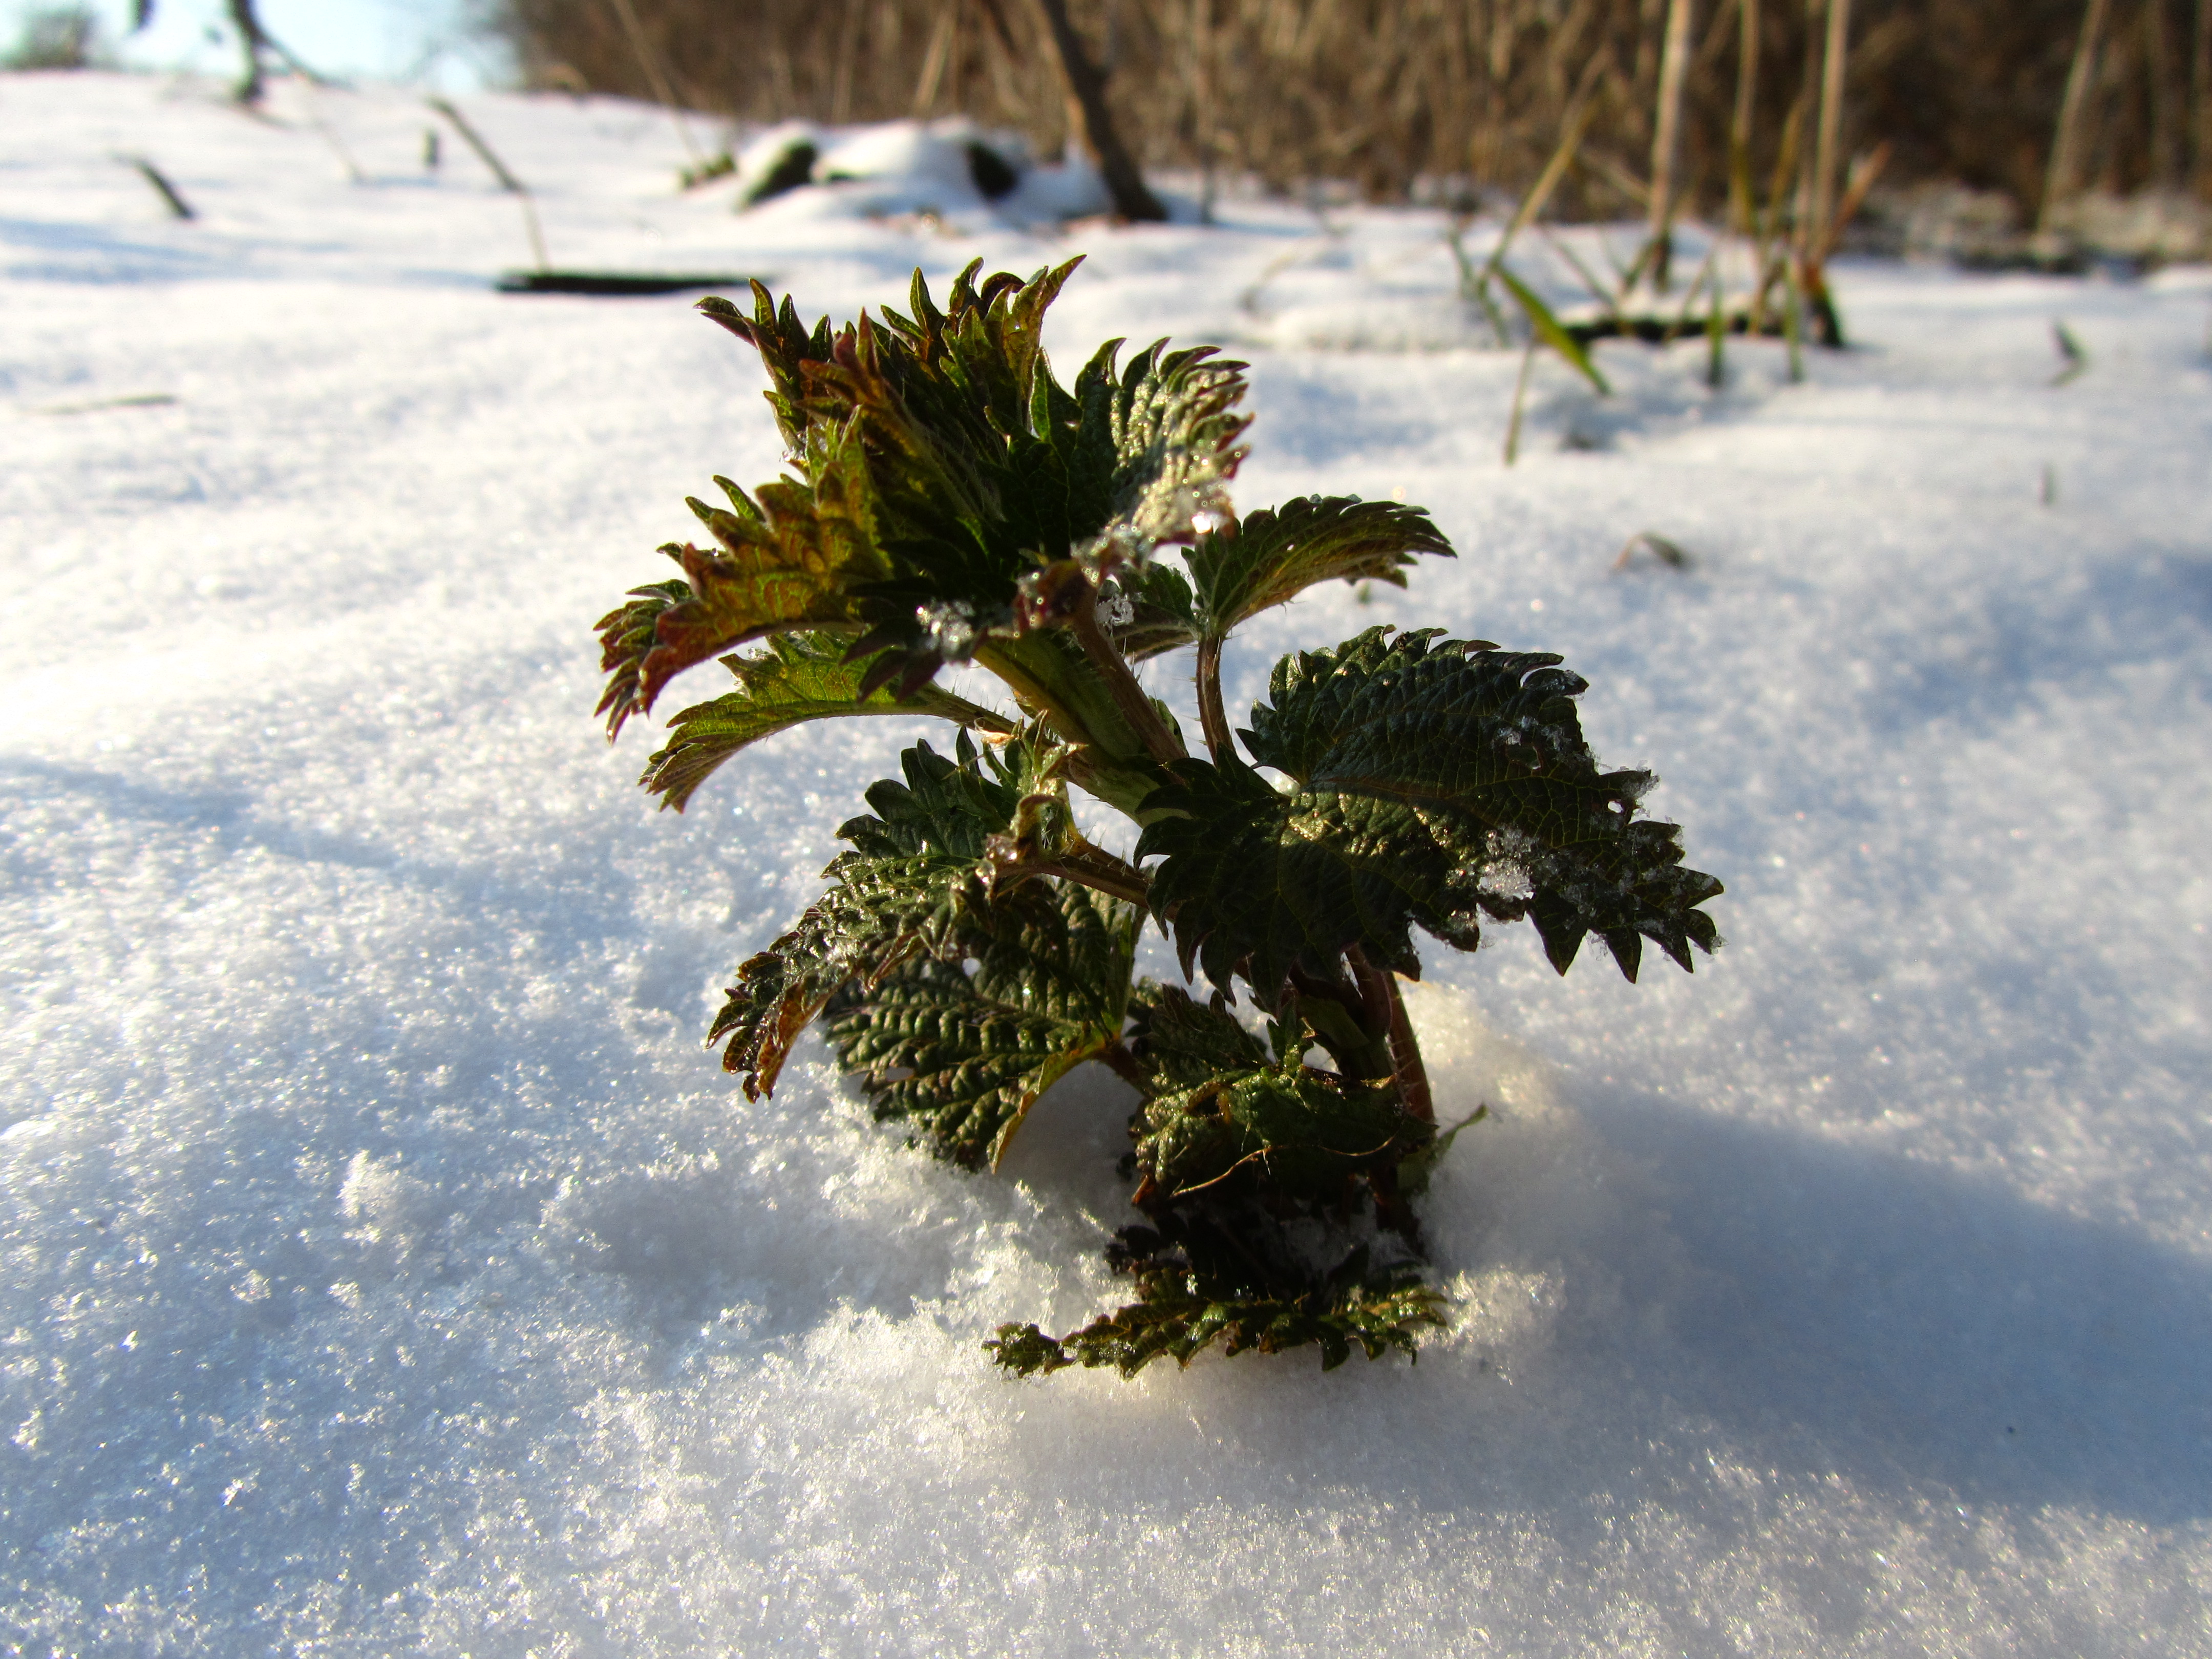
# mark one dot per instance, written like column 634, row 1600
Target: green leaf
column 911, row 886
column 1429, row 784
column 799, row 678
column 1290, row 1129
column 943, row 476
column 962, row 1056
column 951, row 436
column 1201, row 1283
column 1551, row 331
column 1272, row 557
column 980, row 470
column 1253, row 881
column 1181, row 1043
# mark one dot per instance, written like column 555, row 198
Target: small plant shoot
column 951, row 502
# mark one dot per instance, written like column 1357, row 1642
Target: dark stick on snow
column 1124, row 183
column 508, row 181
column 153, row 176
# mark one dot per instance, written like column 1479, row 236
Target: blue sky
column 379, row 40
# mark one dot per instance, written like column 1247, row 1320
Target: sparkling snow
column 388, row 1269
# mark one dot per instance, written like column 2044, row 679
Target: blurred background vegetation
column 2046, row 108
column 1416, row 98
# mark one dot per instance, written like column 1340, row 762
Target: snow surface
column 388, row 1269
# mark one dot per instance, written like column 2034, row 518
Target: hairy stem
column 1092, row 867
column 1128, row 696
column 1379, row 986
column 1117, row 1058
column 1212, row 716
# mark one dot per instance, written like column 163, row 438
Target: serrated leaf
column 1181, row 1043
column 1272, row 557
column 911, row 886
column 1253, row 881
column 799, row 678
column 943, row 471
column 960, row 1049
column 784, row 344
column 628, row 635
column 951, row 435
column 1156, row 447
column 801, row 556
column 1430, row 784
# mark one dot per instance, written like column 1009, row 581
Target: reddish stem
column 1378, row 989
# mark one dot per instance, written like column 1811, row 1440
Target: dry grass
column 1431, row 97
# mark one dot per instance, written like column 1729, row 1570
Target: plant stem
column 1581, row 109
column 1379, row 984
column 1212, row 716
column 1118, row 1059
column 1128, row 696
column 1090, row 866
column 2200, row 99
column 1520, row 396
column 508, row 181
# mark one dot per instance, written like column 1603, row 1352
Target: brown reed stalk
column 2202, row 102
column 1747, row 106
column 2060, row 183
column 648, row 64
column 2166, row 162
column 1666, row 139
column 1834, row 59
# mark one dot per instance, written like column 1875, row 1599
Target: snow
column 387, row 1268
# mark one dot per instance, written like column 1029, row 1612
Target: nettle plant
column 952, row 502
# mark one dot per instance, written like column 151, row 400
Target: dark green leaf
column 1159, row 614
column 1181, row 1043
column 627, row 636
column 962, row 1056
column 1201, row 1283
column 1430, row 784
column 911, row 886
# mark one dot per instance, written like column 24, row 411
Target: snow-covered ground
column 388, row 1269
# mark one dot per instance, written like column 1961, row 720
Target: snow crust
column 387, row 1268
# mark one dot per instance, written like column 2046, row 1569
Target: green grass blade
column 1551, row 331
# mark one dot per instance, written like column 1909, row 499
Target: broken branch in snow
column 153, row 176
column 508, row 181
